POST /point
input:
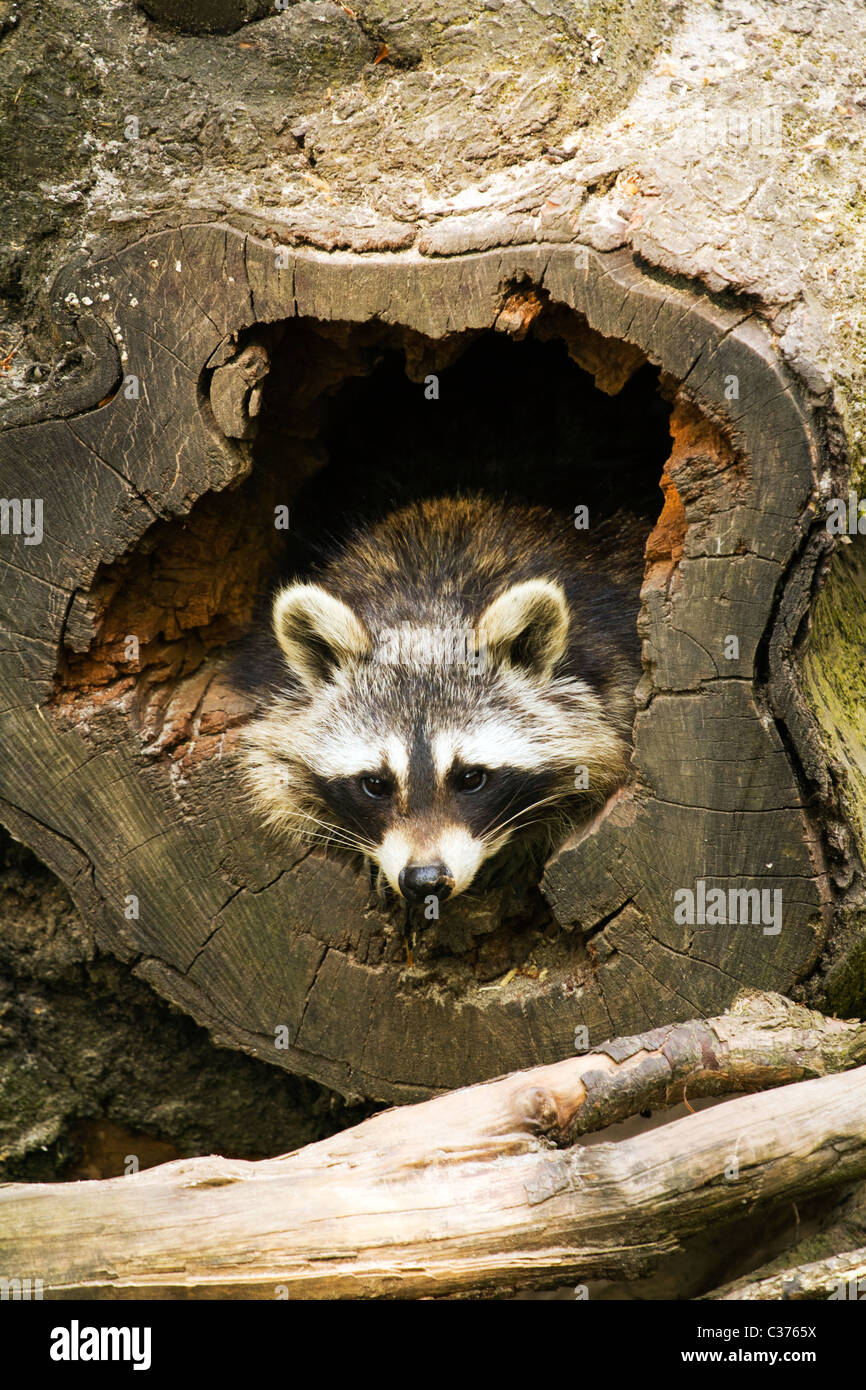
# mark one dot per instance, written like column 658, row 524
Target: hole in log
column 175, row 636
column 262, row 378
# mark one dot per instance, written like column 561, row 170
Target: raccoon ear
column 526, row 626
column 317, row 632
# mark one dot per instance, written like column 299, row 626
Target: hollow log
column 484, row 1190
column 140, row 804
column 217, row 291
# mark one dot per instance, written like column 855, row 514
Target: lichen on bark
column 834, row 677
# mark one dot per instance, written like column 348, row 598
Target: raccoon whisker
column 329, row 838
column 548, row 821
column 311, row 837
column 542, row 801
column 335, row 830
column 492, row 828
column 526, row 824
column 559, row 826
column 325, row 832
column 325, row 824
column 332, row 838
column 510, row 802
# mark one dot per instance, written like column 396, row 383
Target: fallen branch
column 839, row 1276
column 484, row 1189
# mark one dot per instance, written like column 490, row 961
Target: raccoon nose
column 419, row 881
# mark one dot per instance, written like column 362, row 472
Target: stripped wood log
column 483, row 1190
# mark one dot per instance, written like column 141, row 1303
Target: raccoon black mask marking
column 457, row 677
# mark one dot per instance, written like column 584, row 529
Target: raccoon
column 457, row 679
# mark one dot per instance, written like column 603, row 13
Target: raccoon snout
column 419, row 881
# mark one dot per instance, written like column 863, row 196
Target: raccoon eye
column 472, row 780
column 377, row 787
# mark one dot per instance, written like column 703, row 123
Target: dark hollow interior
column 515, row 420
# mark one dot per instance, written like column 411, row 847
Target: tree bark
column 238, row 240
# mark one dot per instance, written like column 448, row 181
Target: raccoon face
column 427, row 764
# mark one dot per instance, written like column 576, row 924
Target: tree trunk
column 219, row 314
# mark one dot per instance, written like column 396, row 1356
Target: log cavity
column 350, row 420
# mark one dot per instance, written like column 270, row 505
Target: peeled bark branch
column 484, row 1189
column 843, row 1276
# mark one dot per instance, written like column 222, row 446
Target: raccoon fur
column 456, row 679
